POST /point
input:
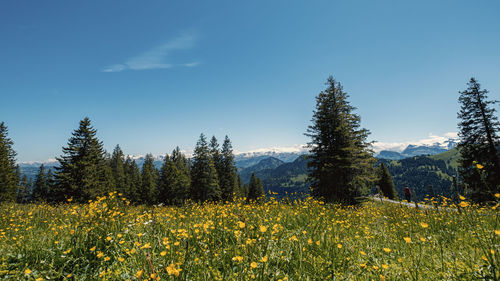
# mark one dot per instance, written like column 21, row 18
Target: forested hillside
column 418, row 173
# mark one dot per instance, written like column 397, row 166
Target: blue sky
column 155, row 74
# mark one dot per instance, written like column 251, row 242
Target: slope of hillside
column 421, row 172
column 264, row 164
column 450, row 157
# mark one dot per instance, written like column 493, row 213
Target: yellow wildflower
column 238, row 258
column 253, row 264
column 463, row 204
column 407, row 239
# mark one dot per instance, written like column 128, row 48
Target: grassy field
column 308, row 240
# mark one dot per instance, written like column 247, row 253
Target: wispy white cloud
column 400, row 146
column 157, row 56
column 299, row 148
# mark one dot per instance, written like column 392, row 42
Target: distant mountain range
column 286, row 171
column 247, row 159
column 417, row 150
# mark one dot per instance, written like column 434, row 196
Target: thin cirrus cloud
column 157, row 56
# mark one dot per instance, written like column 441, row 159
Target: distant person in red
column 407, row 194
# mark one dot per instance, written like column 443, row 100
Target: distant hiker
column 407, row 194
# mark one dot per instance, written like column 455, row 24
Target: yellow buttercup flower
column 262, row 228
column 27, row 271
column 407, row 239
column 238, row 258
column 464, row 204
column 253, row 264
column 387, row 250
column 424, row 225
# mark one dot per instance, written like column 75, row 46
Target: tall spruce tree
column 50, row 185
column 23, row 190
column 82, row 172
column 341, row 159
column 166, row 183
column 255, row 189
column 479, row 140
column 8, row 177
column 204, row 178
column 174, row 183
column 386, row 183
column 117, row 164
column 133, row 180
column 41, row 186
column 149, row 178
column 227, row 171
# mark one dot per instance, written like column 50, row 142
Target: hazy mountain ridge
column 413, row 150
column 264, row 164
column 247, row 159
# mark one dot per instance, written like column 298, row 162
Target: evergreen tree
column 165, row 183
column 240, row 189
column 341, row 160
column 23, row 190
column 133, row 180
column 204, row 178
column 174, row 184
column 50, row 186
column 117, row 164
column 386, row 183
column 82, row 172
column 183, row 178
column 8, row 176
column 41, row 186
column 255, row 189
column 478, row 131
column 227, row 171
column 149, row 180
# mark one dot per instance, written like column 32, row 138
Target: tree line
column 341, row 166
column 85, row 171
